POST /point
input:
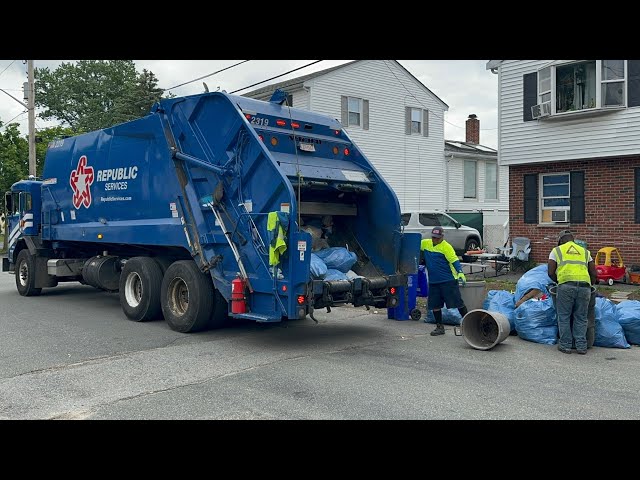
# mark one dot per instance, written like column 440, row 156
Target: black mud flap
column 5, row 264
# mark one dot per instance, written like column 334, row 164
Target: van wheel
column 186, row 296
column 26, row 274
column 140, row 283
column 472, row 244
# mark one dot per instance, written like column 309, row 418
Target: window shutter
column 637, row 194
column 365, row 114
column 344, row 112
column 407, row 120
column 531, row 198
column 290, row 100
column 529, row 94
column 425, row 123
column 633, row 71
column 576, row 214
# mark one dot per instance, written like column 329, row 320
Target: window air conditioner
column 541, row 110
column 559, row 215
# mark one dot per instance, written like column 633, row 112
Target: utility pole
column 31, row 106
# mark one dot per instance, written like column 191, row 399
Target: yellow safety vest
column 573, row 261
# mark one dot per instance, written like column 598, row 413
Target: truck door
column 12, row 204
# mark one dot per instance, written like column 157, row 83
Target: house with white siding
column 569, row 132
column 396, row 121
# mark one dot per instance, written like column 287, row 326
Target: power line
column 5, row 68
column 7, row 124
column 431, row 112
column 206, row 76
column 278, row 76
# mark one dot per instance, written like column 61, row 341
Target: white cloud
column 465, row 85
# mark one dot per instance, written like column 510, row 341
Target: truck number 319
column 260, row 121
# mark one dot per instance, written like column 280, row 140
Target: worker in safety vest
column 444, row 272
column 573, row 269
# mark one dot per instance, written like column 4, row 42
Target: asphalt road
column 72, row 354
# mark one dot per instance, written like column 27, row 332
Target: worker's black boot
column 439, row 330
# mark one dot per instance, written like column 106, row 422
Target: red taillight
column 284, row 288
column 281, row 123
column 346, row 151
column 337, row 132
column 261, row 137
column 300, row 299
column 392, row 290
column 247, row 116
column 295, row 125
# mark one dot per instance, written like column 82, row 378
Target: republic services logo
column 80, row 181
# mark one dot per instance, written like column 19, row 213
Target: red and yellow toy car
column 610, row 267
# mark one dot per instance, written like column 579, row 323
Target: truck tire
column 220, row 313
column 140, row 283
column 187, row 297
column 26, row 274
column 164, row 262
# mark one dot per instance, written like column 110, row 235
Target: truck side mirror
column 8, row 204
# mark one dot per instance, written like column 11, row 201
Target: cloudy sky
column 465, row 85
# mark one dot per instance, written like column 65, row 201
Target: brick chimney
column 473, row 129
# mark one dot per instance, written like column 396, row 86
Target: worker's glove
column 462, row 279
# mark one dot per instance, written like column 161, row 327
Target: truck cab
column 22, row 205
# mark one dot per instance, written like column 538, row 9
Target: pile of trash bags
column 333, row 263
column 616, row 325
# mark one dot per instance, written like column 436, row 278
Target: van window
column 404, row 219
column 445, row 221
column 428, row 219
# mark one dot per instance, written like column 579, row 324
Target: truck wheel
column 186, row 297
column 140, row 283
column 26, row 274
column 220, row 313
column 164, row 263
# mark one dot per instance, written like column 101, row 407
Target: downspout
column 446, row 177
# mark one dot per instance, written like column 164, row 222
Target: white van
column 461, row 237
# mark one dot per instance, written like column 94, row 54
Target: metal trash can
column 591, row 313
column 473, row 294
column 406, row 308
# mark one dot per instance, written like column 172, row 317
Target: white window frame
column 360, row 112
column 599, row 82
column 420, row 122
column 541, row 197
column 486, row 186
column 464, row 177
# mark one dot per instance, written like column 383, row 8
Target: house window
column 470, row 179
column 613, row 88
column 583, row 85
column 544, row 85
column 491, row 181
column 416, row 120
column 355, row 110
column 555, row 196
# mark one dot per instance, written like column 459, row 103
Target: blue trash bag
column 536, row 321
column 609, row 332
column 318, row 267
column 502, row 302
column 628, row 316
column 333, row 274
column 537, row 277
column 450, row 316
column 337, row 258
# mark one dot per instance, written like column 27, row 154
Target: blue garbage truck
column 197, row 213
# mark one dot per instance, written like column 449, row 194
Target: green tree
column 14, row 161
column 94, row 94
